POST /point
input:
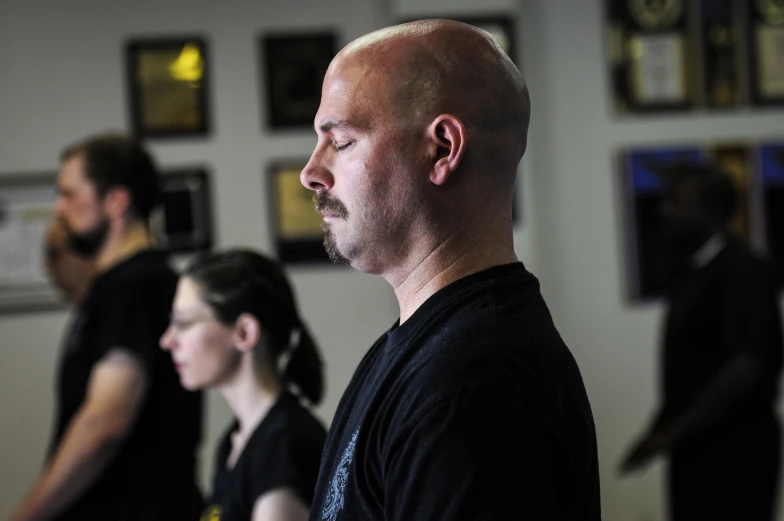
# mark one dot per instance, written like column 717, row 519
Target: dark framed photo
column 297, row 230
column 168, row 85
column 293, row 75
column 183, row 222
column 642, row 188
column 26, row 206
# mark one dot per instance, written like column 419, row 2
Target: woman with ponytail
column 235, row 327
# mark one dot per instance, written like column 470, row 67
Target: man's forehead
column 345, row 98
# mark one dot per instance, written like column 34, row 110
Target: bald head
column 431, row 67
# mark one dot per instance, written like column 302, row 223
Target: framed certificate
column 766, row 38
column 183, row 222
column 26, row 205
column 296, row 223
column 649, row 55
column 168, row 86
column 295, row 69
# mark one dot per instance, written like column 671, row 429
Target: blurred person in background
column 233, row 322
column 70, row 273
column 126, row 432
column 722, row 358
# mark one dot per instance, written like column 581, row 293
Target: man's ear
column 247, row 332
column 447, row 139
column 117, row 201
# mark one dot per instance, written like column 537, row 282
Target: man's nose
column 315, row 176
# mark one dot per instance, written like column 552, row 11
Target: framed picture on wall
column 26, row 205
column 184, row 220
column 647, row 255
column 296, row 223
column 649, row 55
column 168, row 87
column 295, row 69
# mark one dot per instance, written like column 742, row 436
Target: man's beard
column 88, row 244
column 325, row 203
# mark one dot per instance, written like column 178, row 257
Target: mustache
column 324, row 202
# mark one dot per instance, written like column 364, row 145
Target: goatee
column 88, row 244
column 326, row 203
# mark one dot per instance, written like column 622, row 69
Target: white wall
column 63, row 77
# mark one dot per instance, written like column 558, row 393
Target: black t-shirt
column 726, row 308
column 472, row 409
column 128, row 307
column 283, row 452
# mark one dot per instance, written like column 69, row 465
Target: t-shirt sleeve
column 480, row 456
column 290, row 461
column 127, row 322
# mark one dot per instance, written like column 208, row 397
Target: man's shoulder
column 146, row 272
column 499, row 345
column 741, row 266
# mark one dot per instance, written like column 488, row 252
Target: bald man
column 470, row 406
column 68, row 272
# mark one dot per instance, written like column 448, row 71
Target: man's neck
column 124, row 241
column 450, row 260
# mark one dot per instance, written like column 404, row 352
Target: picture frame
column 296, row 226
column 26, row 207
column 168, row 86
column 642, row 196
column 649, row 55
column 183, row 222
column 294, row 69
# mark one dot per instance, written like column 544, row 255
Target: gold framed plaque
column 657, row 69
column 720, row 39
column 770, row 68
column 648, row 49
column 766, row 41
column 296, row 223
column 168, row 86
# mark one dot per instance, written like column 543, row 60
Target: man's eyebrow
column 339, row 124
